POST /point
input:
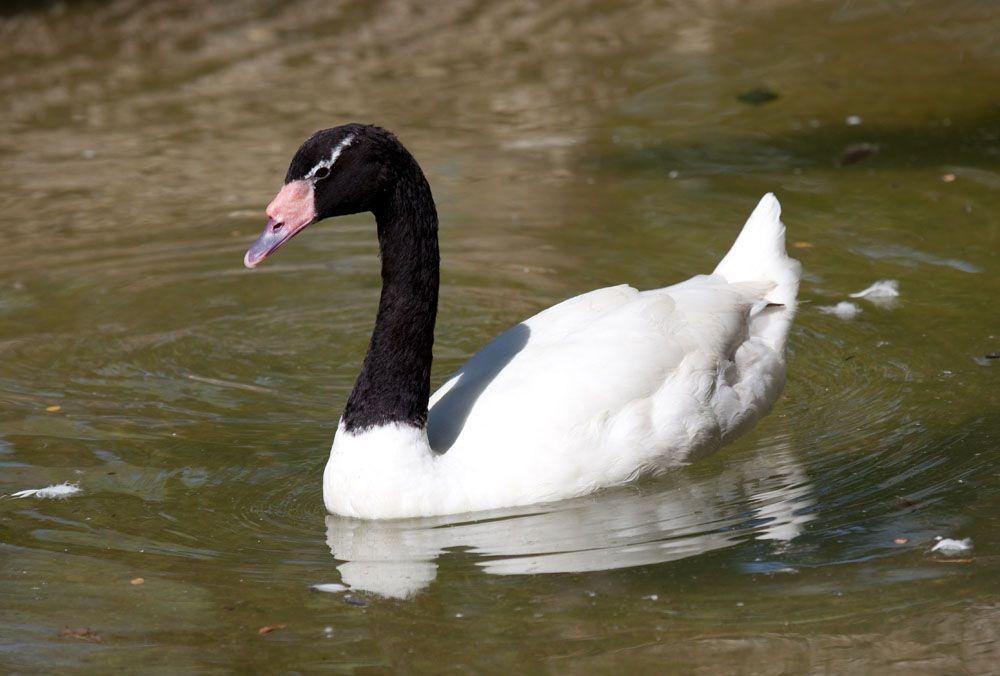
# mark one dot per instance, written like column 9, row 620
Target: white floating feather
column 330, row 587
column 884, row 288
column 56, row 491
column 950, row 547
column 845, row 309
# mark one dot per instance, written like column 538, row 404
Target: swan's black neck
column 394, row 384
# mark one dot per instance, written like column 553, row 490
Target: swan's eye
column 321, row 173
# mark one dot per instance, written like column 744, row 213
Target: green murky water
column 570, row 145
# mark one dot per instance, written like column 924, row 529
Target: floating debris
column 267, row 629
column 900, row 541
column 57, row 491
column 757, row 96
column 853, row 154
column 329, row 587
column 83, row 633
column 845, row 309
column 884, row 288
column 53, row 409
column 355, row 601
column 948, row 178
column 137, row 581
column 853, row 120
column 993, row 355
column 228, row 383
column 950, row 547
column 803, row 245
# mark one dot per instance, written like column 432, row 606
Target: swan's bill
column 288, row 214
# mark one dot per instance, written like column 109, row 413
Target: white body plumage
column 596, row 391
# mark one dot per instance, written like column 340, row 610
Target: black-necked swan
column 596, row 391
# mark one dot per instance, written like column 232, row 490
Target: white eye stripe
column 328, row 163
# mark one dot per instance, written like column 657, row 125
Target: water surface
column 570, row 145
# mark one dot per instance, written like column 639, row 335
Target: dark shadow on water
column 14, row 7
column 447, row 417
column 962, row 139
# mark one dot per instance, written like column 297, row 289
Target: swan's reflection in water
column 763, row 494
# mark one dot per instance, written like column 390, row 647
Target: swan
column 596, row 391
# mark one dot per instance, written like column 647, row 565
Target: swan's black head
column 338, row 171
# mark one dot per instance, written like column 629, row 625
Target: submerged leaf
column 757, row 96
column 857, row 152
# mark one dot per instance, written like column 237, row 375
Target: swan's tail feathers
column 758, row 255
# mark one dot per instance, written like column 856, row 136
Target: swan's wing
column 548, row 326
column 578, row 366
column 618, row 383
